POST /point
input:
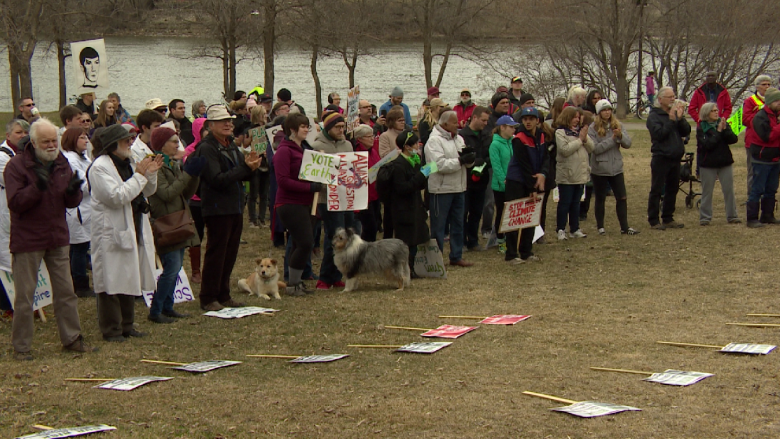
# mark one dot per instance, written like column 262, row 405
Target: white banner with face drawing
column 90, row 66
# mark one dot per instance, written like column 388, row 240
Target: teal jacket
column 500, row 154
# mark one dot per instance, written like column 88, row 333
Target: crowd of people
column 107, row 190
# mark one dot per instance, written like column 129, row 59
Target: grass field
column 599, row 301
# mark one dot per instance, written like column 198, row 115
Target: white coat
column 119, row 266
column 5, row 214
column 444, row 149
column 79, row 219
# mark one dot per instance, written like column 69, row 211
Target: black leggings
column 298, row 221
column 499, row 198
column 368, row 220
column 197, row 218
column 601, row 185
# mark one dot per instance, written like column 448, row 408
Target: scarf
column 706, row 125
column 413, row 160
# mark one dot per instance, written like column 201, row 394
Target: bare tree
column 20, row 21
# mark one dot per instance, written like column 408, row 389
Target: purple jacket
column 287, row 165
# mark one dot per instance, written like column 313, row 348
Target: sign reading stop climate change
column 521, row 214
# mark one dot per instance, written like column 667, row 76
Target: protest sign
column 735, row 121
column 374, row 170
column 271, row 132
column 68, row 432
column 319, row 358
column 350, row 191
column 448, row 331
column 424, row 348
column 592, row 409
column 747, row 348
column 131, row 383
column 182, row 292
column 521, row 214
column 319, row 167
column 42, row 296
column 206, row 366
column 429, row 261
column 258, row 139
column 90, row 66
column 237, row 313
column 353, row 111
column 673, row 377
column 504, row 319
column 538, row 233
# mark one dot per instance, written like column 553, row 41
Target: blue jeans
column 448, row 208
column 332, row 220
column 569, row 206
column 166, row 284
column 78, row 262
column 765, row 181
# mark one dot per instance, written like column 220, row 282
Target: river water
column 141, row 68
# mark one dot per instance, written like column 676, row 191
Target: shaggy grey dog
column 353, row 256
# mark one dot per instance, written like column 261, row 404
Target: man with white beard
column 39, row 187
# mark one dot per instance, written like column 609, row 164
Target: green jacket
column 174, row 187
column 500, row 154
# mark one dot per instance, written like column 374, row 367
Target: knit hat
column 284, row 95
column 772, row 95
column 112, row 134
column 397, row 92
column 330, row 119
column 603, row 105
column 525, row 97
column 251, row 103
column 159, row 137
column 362, row 131
column 497, row 98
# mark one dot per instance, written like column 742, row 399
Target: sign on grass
column 748, row 348
column 131, row 383
column 673, row 377
column 68, row 432
column 449, row 331
column 182, row 292
column 592, row 409
column 429, row 261
column 319, row 358
column 319, row 167
column 503, row 319
column 425, row 347
column 521, row 214
column 206, row 366
column 237, row 313
column 42, row 296
column 350, row 190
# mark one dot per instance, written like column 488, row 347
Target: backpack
column 384, row 182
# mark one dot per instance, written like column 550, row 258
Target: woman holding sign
column 409, row 178
column 294, row 198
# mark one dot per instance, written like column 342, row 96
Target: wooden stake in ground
column 314, row 204
column 672, row 343
column 376, row 346
column 756, row 325
column 550, row 397
column 42, row 427
column 638, row 372
column 170, row 363
column 763, row 315
column 408, row 328
column 90, row 379
column 464, row 317
column 288, row 357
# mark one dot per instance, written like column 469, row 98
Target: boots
column 81, row 287
column 195, row 263
column 752, row 215
column 768, row 211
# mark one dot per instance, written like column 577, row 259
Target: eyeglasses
column 29, row 105
column 161, row 110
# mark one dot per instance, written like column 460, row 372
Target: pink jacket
column 197, row 127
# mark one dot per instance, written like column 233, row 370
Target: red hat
column 159, row 137
column 433, row 91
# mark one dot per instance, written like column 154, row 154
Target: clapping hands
column 252, row 160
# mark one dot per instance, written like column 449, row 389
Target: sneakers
column 562, row 235
column 515, row 261
column 322, row 285
column 159, row 318
column 658, row 226
column 502, row 246
column 230, row 303
column 486, row 235
column 755, row 224
column 602, row 232
column 447, row 238
column 674, row 225
column 23, row 356
column 578, row 234
column 735, row 221
column 629, row 231
column 79, row 346
column 213, row 306
column 533, row 258
column 296, row 290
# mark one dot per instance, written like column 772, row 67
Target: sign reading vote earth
column 319, row 167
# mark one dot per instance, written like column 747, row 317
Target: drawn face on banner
column 90, row 66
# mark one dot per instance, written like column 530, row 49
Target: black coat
column 221, row 189
column 666, row 135
column 410, row 220
column 714, row 149
column 479, row 144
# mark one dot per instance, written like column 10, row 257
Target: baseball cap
column 507, row 120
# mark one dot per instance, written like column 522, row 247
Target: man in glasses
column 366, row 117
column 157, row 105
column 26, row 113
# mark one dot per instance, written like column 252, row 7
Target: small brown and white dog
column 264, row 282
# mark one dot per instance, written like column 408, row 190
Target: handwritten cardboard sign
column 319, row 167
column 182, row 292
column 673, row 377
column 68, row 432
column 206, row 366
column 521, row 214
column 43, row 294
column 353, row 109
column 591, row 409
column 503, row 319
column 429, row 261
column 127, row 384
column 350, row 190
column 271, row 132
column 449, row 331
column 425, row 347
column 748, row 348
column 237, row 313
column 319, row 358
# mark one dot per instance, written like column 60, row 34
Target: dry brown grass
column 600, row 301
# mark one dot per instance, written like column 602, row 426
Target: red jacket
column 464, row 113
column 766, row 148
column 700, row 98
column 38, row 217
column 750, row 107
column 373, row 157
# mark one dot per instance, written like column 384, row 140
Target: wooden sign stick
column 314, row 207
column 170, row 363
column 606, row 369
column 378, row 346
column 690, row 344
column 756, row 325
column 90, row 379
column 763, row 315
column 42, row 427
column 276, row 356
column 408, row 328
column 463, row 317
column 550, row 397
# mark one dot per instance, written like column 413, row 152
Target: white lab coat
column 5, row 214
column 119, row 265
column 79, row 219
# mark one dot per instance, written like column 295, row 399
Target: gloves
column 467, row 159
column 43, row 178
column 194, row 165
column 426, row 170
column 315, row 187
column 74, row 185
